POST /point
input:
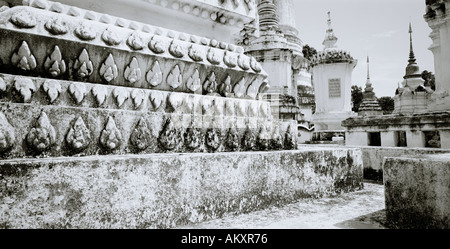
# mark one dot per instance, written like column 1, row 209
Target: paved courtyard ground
column 363, row 209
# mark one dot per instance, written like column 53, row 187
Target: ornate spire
column 330, row 37
column 369, row 87
column 412, row 58
column 412, row 70
column 369, row 105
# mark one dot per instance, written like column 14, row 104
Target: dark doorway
column 374, row 139
column 400, row 139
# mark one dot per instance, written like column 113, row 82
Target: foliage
column 387, row 104
column 357, row 97
column 308, row 52
column 429, row 79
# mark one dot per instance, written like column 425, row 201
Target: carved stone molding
column 158, row 44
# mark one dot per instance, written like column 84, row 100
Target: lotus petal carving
column 25, row 87
column 108, row 70
column 99, row 93
column 133, row 72
column 110, row 137
column 23, row 58
column 54, row 64
column 52, row 88
column 83, row 65
column 79, row 136
column 42, row 136
column 175, row 78
column 141, row 135
column 194, row 83
column 7, row 134
column 154, row 76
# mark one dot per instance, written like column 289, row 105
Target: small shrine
column 332, row 71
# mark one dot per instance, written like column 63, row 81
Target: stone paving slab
column 362, row 209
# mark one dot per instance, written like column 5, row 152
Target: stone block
column 417, row 191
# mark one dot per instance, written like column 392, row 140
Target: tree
column 308, row 52
column 387, row 104
column 429, row 79
column 357, row 97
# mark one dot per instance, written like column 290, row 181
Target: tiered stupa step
column 94, row 85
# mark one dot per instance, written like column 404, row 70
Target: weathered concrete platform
column 166, row 190
column 417, row 191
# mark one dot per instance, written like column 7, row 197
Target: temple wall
column 166, row 190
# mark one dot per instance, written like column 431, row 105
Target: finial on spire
column 330, row 38
column 369, row 87
column 329, row 21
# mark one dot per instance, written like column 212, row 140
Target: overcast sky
column 378, row 28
